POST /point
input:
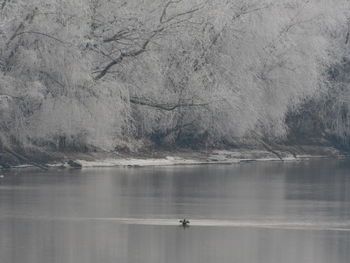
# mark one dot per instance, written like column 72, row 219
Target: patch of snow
column 216, row 157
column 219, row 157
column 23, row 166
column 139, row 162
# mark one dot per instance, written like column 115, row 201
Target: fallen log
column 25, row 159
column 266, row 146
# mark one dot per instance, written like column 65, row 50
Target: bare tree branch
column 52, row 78
column 29, row 18
column 163, row 106
column 161, row 19
column 133, row 40
column 109, row 65
column 181, row 14
column 133, row 53
column 120, row 34
column 38, row 33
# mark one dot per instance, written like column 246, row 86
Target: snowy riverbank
column 198, row 158
column 176, row 157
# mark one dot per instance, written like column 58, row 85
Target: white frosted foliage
column 96, row 72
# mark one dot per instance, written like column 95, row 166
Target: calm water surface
column 254, row 212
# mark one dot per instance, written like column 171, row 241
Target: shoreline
column 157, row 158
column 215, row 157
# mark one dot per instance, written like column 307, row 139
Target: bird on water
column 184, row 222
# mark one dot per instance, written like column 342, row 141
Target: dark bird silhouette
column 184, row 222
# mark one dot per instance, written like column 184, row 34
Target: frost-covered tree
column 248, row 63
column 47, row 75
column 94, row 72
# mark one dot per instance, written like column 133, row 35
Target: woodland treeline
column 97, row 74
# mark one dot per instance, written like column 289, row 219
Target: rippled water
column 254, row 212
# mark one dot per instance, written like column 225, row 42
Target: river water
column 268, row 212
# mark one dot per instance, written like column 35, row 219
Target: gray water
column 254, row 212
